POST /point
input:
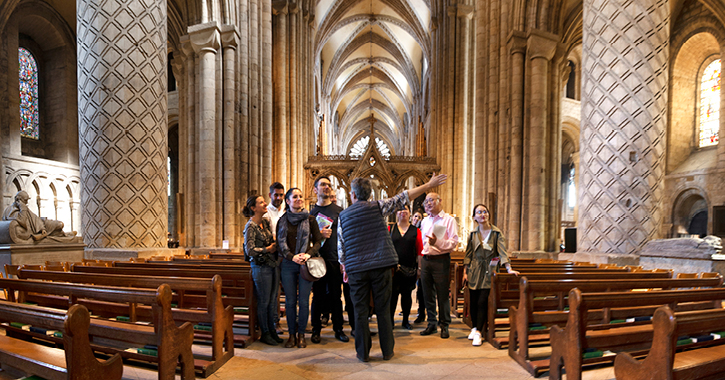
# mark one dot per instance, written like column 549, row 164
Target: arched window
column 29, row 113
column 361, row 145
column 709, row 105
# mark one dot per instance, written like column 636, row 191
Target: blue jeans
column 266, row 284
column 296, row 289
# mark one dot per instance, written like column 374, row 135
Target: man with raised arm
column 368, row 256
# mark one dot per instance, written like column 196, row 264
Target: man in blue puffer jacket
column 367, row 254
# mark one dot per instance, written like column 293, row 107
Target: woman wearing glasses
column 485, row 251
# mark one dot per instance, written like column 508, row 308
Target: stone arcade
column 136, row 121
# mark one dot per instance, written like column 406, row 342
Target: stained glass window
column 359, row 147
column 710, row 105
column 29, row 114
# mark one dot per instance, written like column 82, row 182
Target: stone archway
column 690, row 214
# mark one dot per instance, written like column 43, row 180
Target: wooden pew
column 213, row 313
column 75, row 362
column 664, row 362
column 237, row 288
column 505, row 293
column 568, row 345
column 173, row 343
column 531, row 311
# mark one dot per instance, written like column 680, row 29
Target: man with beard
column 327, row 290
column 275, row 210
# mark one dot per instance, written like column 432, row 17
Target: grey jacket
column 477, row 259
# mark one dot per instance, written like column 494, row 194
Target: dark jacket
column 366, row 239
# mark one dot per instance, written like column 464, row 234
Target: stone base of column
column 125, row 254
column 601, row 258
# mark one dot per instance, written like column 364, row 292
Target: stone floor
column 416, row 356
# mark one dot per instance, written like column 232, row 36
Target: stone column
column 540, row 50
column 267, row 126
column 205, row 39
column 187, row 144
column 122, row 111
column 281, row 131
column 624, row 116
column 294, row 143
column 229, row 39
column 517, row 47
column 462, row 184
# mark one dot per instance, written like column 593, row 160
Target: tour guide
column 368, row 255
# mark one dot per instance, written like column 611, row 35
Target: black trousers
column 327, row 293
column 419, row 297
column 435, row 274
column 479, row 307
column 349, row 309
column 402, row 286
column 379, row 282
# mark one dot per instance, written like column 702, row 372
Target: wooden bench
column 581, row 333
column 75, row 362
column 173, row 343
column 207, row 309
column 664, row 362
column 237, row 288
column 549, row 311
column 505, row 293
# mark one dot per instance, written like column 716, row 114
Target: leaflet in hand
column 439, row 230
column 324, row 221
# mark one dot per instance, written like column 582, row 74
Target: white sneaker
column 477, row 341
column 473, row 333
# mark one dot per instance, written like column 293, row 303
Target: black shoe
column 364, row 360
column 444, row 332
column 325, row 321
column 407, row 326
column 420, row 319
column 267, row 338
column 276, row 337
column 315, row 338
column 388, row 357
column 340, row 335
column 431, row 329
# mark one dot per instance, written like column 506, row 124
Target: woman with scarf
column 261, row 250
column 298, row 239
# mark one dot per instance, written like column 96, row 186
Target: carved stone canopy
column 392, row 172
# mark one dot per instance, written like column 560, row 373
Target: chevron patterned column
column 624, row 107
column 122, row 122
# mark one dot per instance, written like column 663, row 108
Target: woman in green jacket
column 485, row 251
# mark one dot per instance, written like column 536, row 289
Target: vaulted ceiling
column 373, row 57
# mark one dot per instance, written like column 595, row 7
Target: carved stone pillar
column 540, row 50
column 229, row 39
column 280, row 135
column 517, row 47
column 122, row 115
column 624, row 116
column 205, row 39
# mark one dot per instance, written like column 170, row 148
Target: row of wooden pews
column 591, row 314
column 198, row 300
